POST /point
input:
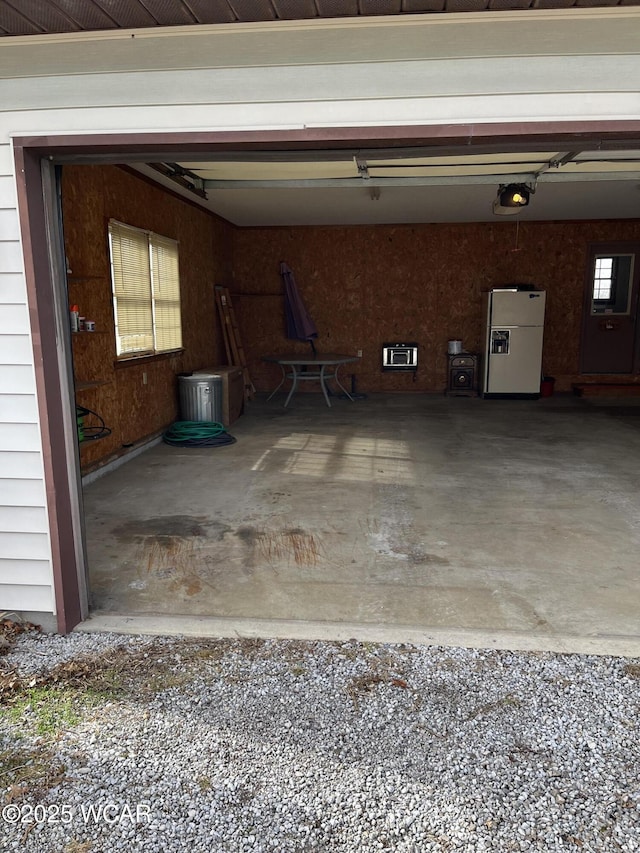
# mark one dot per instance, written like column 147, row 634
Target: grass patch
column 204, row 783
column 48, row 710
column 114, row 673
column 75, row 846
column 45, row 705
column 119, row 672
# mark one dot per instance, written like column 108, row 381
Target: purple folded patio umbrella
column 300, row 326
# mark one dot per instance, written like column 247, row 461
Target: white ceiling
column 349, row 188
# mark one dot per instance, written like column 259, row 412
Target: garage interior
column 409, row 508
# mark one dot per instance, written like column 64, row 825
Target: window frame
column 156, row 298
column 609, row 304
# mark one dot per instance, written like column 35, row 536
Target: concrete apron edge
column 284, row 629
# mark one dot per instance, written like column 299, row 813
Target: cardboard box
column 232, row 391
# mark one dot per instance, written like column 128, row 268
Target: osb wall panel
column 365, row 286
column 131, row 407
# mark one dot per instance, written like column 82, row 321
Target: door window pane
column 612, row 277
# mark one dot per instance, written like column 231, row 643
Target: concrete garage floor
column 415, row 517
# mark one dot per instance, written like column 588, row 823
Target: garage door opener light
column 512, row 198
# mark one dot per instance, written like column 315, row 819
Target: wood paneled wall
column 365, row 286
column 132, row 408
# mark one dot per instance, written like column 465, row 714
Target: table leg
column 335, row 376
column 277, row 388
column 294, row 385
column 323, row 385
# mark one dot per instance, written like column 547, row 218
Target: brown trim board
column 41, row 309
column 122, row 147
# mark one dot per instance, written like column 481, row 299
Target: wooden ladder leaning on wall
column 231, row 333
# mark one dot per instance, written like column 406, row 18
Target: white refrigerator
column 514, row 327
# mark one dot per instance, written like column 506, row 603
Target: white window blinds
column 166, row 293
column 146, row 291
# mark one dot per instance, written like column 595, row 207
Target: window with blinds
column 146, row 291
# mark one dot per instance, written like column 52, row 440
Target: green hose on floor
column 197, row 434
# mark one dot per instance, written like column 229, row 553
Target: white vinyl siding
column 23, row 572
column 434, row 69
column 18, row 408
column 21, row 463
column 446, row 78
column 17, row 436
column 12, row 290
column 9, row 228
column 14, row 319
column 28, row 595
column 24, row 492
column 17, row 378
column 17, row 348
column 21, row 519
column 8, row 200
column 25, row 553
column 12, row 252
column 431, row 69
column 18, row 546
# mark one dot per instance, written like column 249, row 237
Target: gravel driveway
column 111, row 743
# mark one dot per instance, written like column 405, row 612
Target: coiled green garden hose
column 197, row 434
